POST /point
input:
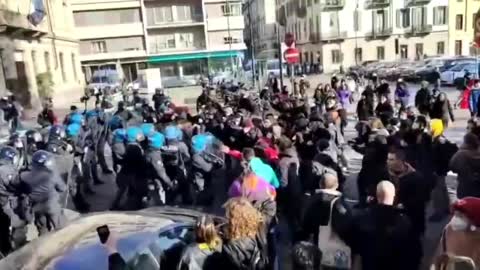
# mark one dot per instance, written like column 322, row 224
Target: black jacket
column 384, row 240
column 422, row 100
column 317, row 213
column 241, row 254
column 364, row 110
column 442, row 110
column 199, row 257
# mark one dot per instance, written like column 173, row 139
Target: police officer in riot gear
column 34, row 143
column 176, row 157
column 159, row 182
column 118, row 148
column 12, row 212
column 18, row 143
column 45, row 186
column 133, row 174
column 56, row 141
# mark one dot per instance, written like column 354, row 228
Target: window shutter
column 399, row 19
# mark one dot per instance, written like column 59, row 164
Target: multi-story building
column 461, row 19
column 261, row 31
column 27, row 50
column 337, row 33
column 178, row 39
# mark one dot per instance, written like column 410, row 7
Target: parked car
column 448, row 77
column 149, row 239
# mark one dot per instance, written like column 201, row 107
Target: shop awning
column 192, row 56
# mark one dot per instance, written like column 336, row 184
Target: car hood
column 39, row 252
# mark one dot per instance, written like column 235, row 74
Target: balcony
column 13, row 22
column 163, row 48
column 333, row 36
column 372, row 4
column 410, row 3
column 194, row 20
column 380, row 33
column 423, row 29
column 332, row 4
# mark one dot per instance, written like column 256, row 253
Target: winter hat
column 470, row 207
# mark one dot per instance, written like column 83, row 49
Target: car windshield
column 458, row 67
column 145, row 250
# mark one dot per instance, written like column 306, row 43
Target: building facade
column 342, row 33
column 179, row 39
column 461, row 16
column 27, row 51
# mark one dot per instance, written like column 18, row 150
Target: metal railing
column 380, row 32
column 416, row 2
column 377, row 3
column 420, row 29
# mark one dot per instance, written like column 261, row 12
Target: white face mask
column 459, row 222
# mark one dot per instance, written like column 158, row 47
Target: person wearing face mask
column 442, row 109
column 384, row 110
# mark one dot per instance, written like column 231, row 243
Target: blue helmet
column 8, row 154
column 91, row 113
column 119, row 135
column 173, row 133
column 156, row 140
column 76, row 118
column 56, row 132
column 116, row 122
column 199, row 143
column 73, row 130
column 134, row 134
column 147, row 129
column 42, row 159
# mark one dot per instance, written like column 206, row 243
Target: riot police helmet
column 134, row 134
column 8, row 155
column 156, row 140
column 33, row 136
column 57, row 132
column 42, row 159
column 148, row 129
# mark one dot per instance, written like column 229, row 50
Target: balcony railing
column 380, row 33
column 377, row 3
column 410, row 3
column 421, row 29
column 11, row 21
column 332, row 4
column 156, row 48
column 334, row 35
column 194, row 19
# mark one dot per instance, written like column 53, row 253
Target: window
column 440, row 15
column 358, row 55
column 232, row 9
column 403, row 18
column 184, row 13
column 162, row 14
column 380, row 53
column 99, row 46
column 336, row 56
column 418, row 51
column 74, row 67
column 46, row 56
column 440, row 48
column 186, row 40
column 162, row 42
column 458, row 47
column 356, row 20
column 404, row 51
column 106, row 17
column 419, row 16
column 459, row 22
column 380, row 20
column 228, row 40
column 62, row 67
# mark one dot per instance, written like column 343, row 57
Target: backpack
column 171, row 155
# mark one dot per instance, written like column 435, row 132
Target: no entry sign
column 292, row 55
